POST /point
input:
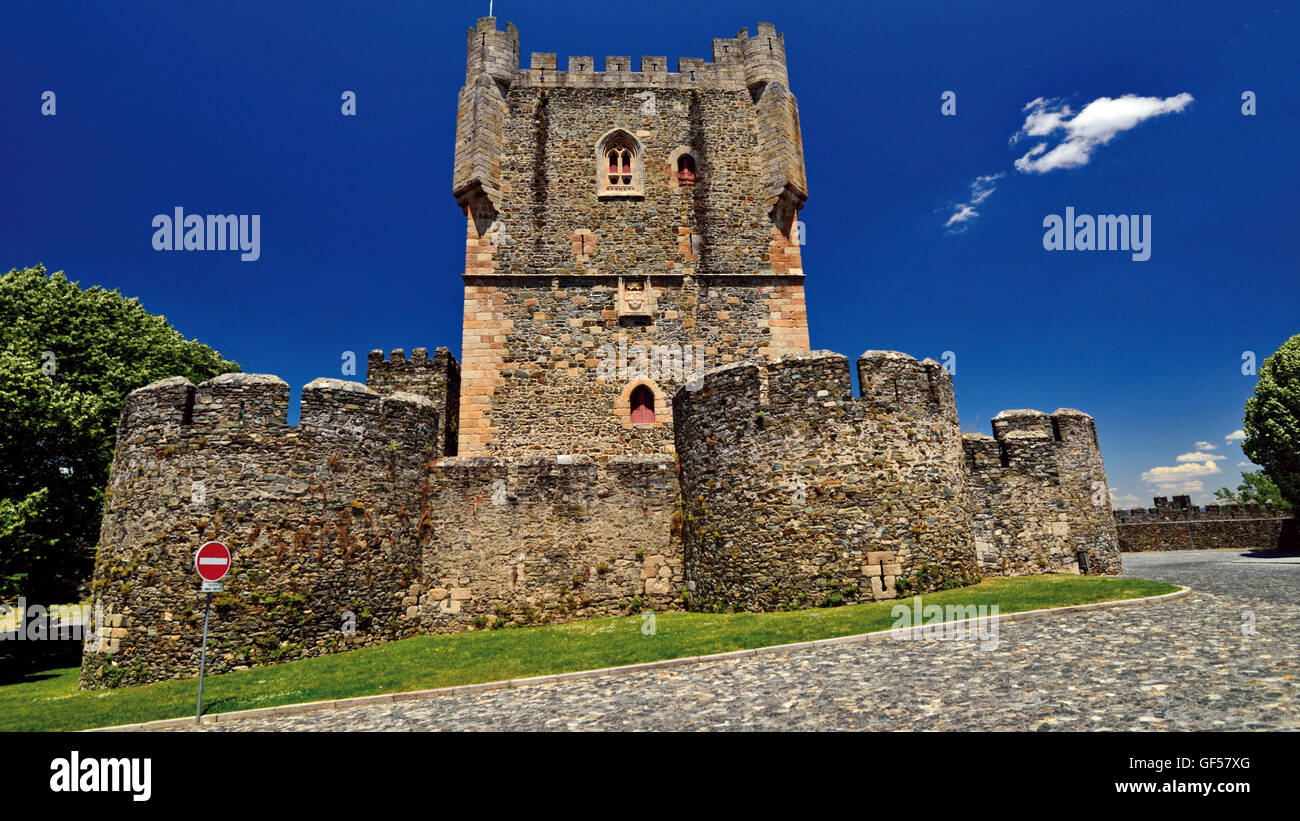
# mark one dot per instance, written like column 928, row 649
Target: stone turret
column 795, row 492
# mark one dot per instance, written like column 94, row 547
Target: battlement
column 787, row 477
column 1181, row 509
column 1181, row 525
column 740, row 62
column 255, row 406
column 1030, row 440
column 1039, row 489
column 323, row 513
column 889, row 382
column 744, row 63
column 491, row 51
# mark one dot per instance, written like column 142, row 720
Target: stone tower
column 625, row 231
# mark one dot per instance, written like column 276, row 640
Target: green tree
column 1272, row 421
column 68, row 357
column 1255, row 486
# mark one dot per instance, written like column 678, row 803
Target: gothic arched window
column 643, row 405
column 619, row 165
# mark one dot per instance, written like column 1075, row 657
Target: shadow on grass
column 24, row 661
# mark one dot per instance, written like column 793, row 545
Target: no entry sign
column 212, row 561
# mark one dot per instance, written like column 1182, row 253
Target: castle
column 625, row 229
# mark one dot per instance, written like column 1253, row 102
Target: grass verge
column 49, row 700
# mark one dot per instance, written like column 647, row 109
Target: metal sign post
column 203, row 657
column 212, row 562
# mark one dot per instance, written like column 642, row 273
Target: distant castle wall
column 795, row 493
column 1180, row 525
column 323, row 520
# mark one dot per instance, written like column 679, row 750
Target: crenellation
column 244, row 402
column 786, row 497
column 817, row 377
column 1009, row 421
column 157, row 410
column 436, row 378
column 983, row 452
column 764, row 58
column 492, row 51
column 1181, row 525
column 335, row 407
column 654, row 68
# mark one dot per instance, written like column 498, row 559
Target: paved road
column 1180, row 665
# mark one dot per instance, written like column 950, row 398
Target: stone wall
column 795, row 493
column 1039, row 495
column 547, row 361
column 323, row 520
column 549, row 539
column 1180, row 525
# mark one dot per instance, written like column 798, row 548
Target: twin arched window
column 619, row 165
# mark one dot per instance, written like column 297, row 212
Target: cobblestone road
column 1180, row 665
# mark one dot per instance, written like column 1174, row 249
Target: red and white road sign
column 212, row 561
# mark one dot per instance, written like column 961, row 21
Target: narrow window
column 643, row 406
column 686, row 171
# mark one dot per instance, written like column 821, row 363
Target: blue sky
column 234, row 108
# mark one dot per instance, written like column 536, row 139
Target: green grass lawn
column 49, row 700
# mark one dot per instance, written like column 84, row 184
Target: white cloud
column 1205, row 446
column 1235, row 436
column 1096, row 125
column 1245, row 464
column 1180, row 473
column 1200, row 457
column 1177, row 488
column 981, row 189
column 964, row 212
column 1123, row 500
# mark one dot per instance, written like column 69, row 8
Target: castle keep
column 625, row 208
column 637, row 422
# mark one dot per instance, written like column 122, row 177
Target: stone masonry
column 1180, row 525
column 638, row 421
